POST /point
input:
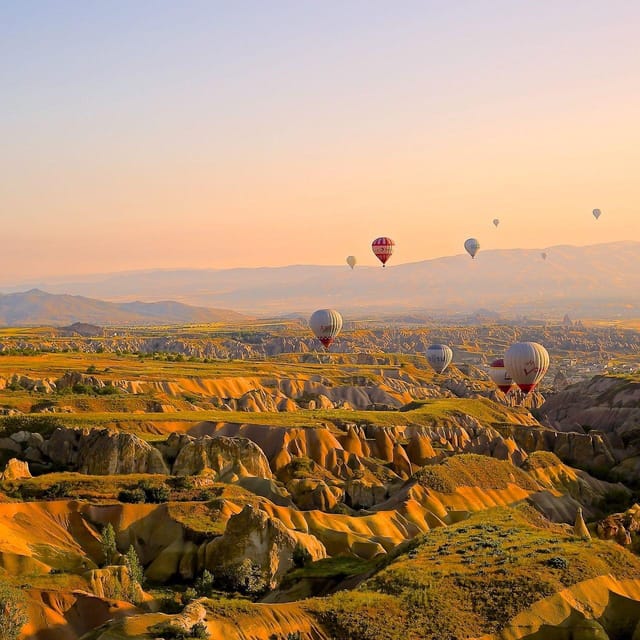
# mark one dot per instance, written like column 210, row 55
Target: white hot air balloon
column 500, row 376
column 472, row 246
column 326, row 324
column 496, row 222
column 351, row 261
column 597, row 213
column 526, row 362
column 439, row 356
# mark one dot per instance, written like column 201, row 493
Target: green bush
column 153, row 493
column 205, row 584
column 199, row 630
column 132, row 496
column 107, row 390
column 557, row 562
column 82, row 389
column 58, row 490
column 301, row 555
column 245, row 577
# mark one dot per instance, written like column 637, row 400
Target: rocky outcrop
column 15, row 470
column 621, row 527
column 229, row 458
column 585, row 451
column 265, row 540
column 114, row 583
column 102, row 452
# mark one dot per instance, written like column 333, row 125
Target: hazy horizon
column 219, row 135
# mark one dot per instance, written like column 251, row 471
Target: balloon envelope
column 597, row 213
column 326, row 324
column 500, row 376
column 351, row 261
column 472, row 246
column 527, row 362
column 544, row 255
column 496, row 221
column 439, row 356
column 383, row 248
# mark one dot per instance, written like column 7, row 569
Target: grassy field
column 470, row 579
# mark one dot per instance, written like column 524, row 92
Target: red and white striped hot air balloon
column 326, row 324
column 527, row 362
column 500, row 376
column 383, row 248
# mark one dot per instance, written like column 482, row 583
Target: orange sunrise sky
column 145, row 134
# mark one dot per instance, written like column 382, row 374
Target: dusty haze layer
column 597, row 281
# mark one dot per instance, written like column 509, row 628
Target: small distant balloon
column 351, row 261
column 597, row 213
column 496, row 222
column 383, row 248
column 439, row 356
column 326, row 324
column 472, row 246
column 543, row 255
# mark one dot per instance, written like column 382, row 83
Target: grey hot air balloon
column 543, row 255
column 496, row 222
column 351, row 261
column 597, row 213
column 472, row 246
column 439, row 356
column 326, row 324
column 526, row 362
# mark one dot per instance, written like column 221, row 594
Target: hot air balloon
column 351, row 261
column 597, row 213
column 439, row 356
column 383, row 248
column 500, row 376
column 472, row 246
column 326, row 324
column 496, row 222
column 544, row 255
column 527, row 362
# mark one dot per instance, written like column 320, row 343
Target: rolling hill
column 36, row 307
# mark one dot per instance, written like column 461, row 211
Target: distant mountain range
column 36, row 307
column 595, row 281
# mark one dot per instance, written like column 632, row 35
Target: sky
column 154, row 134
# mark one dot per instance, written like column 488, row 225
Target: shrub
column 245, row 577
column 156, row 495
column 199, row 630
column 204, row 585
column 182, row 482
column 189, row 595
column 557, row 562
column 58, row 490
column 301, row 555
column 82, row 389
column 132, row 496
column 107, row 390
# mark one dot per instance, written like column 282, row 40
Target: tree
column 108, row 543
column 13, row 615
column 136, row 573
